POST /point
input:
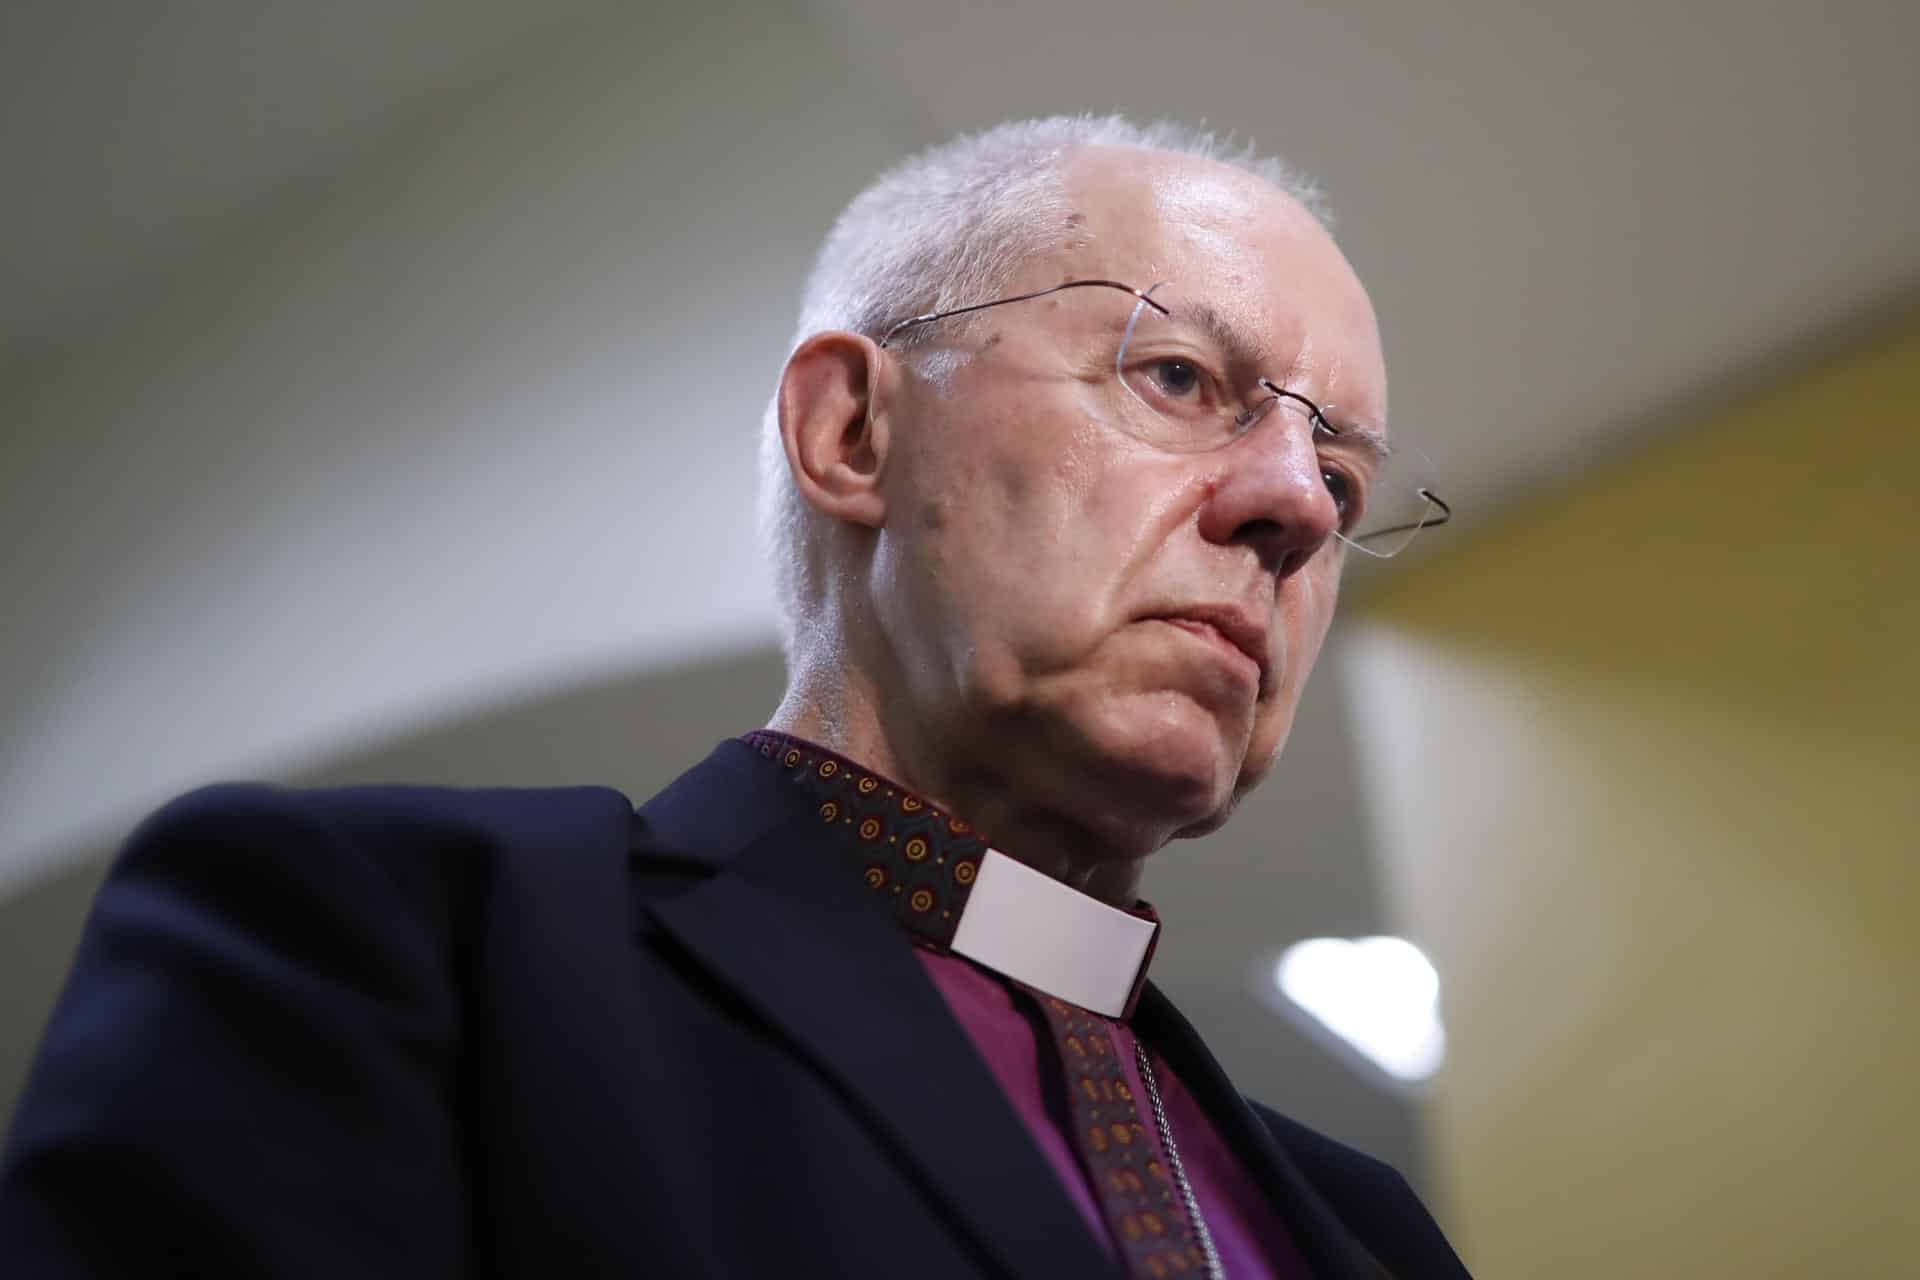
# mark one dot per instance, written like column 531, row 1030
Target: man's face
column 1075, row 606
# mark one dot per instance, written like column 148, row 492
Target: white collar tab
column 1027, row 926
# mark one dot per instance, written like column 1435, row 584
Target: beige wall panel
column 1648, row 753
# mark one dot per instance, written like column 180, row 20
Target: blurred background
column 379, row 383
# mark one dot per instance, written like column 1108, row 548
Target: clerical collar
column 953, row 891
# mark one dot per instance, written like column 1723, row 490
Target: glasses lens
column 1186, row 385
column 1399, row 501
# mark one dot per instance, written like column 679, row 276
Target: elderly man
column 1060, row 525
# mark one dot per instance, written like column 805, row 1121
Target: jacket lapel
column 795, row 933
column 1322, row 1237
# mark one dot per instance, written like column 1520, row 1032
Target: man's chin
column 1137, row 765
column 1194, row 781
column 1174, row 774
column 1211, row 823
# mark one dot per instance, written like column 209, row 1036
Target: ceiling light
column 1378, row 996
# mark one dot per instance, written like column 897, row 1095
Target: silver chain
column 1200, row 1233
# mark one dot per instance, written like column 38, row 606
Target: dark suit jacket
column 419, row 1032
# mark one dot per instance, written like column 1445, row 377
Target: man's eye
column 1176, row 378
column 1346, row 495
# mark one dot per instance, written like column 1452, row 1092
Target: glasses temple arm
column 931, row 316
column 1424, row 522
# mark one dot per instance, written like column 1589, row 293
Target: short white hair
column 945, row 228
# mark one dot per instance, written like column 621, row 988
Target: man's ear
column 836, row 440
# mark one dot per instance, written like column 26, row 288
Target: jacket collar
column 809, row 953
column 806, row 949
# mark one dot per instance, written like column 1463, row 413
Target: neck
column 844, row 714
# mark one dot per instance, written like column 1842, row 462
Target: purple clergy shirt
column 1252, row 1241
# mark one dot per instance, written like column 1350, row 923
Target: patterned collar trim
column 946, row 886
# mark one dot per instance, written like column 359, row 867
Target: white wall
column 432, row 431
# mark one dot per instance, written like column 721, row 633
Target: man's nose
column 1271, row 496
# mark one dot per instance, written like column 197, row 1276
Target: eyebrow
column 1369, row 439
column 1224, row 333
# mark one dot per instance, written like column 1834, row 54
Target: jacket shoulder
column 302, row 949
column 383, row 808
column 276, row 861
column 260, row 820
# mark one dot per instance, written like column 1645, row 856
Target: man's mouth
column 1238, row 639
